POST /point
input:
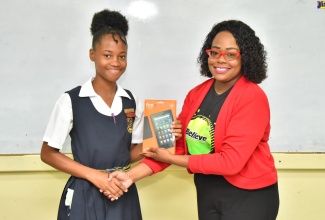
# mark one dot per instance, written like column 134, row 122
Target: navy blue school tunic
column 100, row 142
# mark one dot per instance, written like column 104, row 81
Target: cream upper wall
column 31, row 189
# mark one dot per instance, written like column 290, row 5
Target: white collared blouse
column 61, row 120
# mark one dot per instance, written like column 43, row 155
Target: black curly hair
column 253, row 54
column 108, row 22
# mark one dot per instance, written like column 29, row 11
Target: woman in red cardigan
column 226, row 128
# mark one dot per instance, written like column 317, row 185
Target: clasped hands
column 120, row 181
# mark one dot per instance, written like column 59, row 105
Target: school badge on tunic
column 129, row 112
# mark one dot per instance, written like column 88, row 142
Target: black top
column 200, row 130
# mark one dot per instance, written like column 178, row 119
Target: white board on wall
column 44, row 52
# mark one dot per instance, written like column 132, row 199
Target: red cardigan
column 242, row 154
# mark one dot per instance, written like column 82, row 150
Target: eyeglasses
column 229, row 56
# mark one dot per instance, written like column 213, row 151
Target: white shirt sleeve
column 60, row 123
column 137, row 133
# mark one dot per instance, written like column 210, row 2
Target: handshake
column 118, row 181
column 119, row 184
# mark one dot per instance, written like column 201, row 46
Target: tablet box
column 158, row 117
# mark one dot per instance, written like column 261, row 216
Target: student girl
column 226, row 128
column 105, row 123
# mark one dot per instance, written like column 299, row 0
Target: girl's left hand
column 158, row 154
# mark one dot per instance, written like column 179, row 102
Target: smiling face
column 109, row 56
column 226, row 73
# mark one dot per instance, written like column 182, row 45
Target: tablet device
column 161, row 123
